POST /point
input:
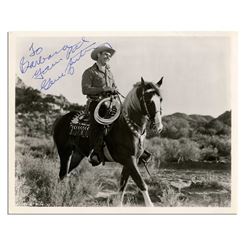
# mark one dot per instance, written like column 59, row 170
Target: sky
column 197, row 68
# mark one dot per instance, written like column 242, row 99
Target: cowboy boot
column 99, row 150
column 94, row 159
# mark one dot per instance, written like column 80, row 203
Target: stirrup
column 145, row 157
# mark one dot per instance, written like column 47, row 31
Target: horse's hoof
column 61, row 178
column 150, row 204
column 94, row 160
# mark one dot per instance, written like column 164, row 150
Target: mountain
column 220, row 125
column 179, row 125
column 201, row 118
column 193, row 119
column 19, row 83
column 36, row 112
column 31, row 100
column 225, row 118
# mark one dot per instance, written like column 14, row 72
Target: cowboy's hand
column 114, row 90
column 107, row 89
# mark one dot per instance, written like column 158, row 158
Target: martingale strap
column 132, row 126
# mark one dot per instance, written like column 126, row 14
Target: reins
column 120, row 94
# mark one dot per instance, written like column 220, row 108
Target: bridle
column 145, row 106
column 143, row 103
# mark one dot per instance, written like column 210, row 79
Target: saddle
column 106, row 112
column 80, row 123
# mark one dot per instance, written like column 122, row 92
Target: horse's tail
column 59, row 127
column 54, row 125
column 53, row 132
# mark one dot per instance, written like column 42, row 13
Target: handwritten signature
column 40, row 65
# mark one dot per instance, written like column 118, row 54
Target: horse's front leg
column 131, row 164
column 123, row 184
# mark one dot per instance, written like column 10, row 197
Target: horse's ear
column 158, row 84
column 142, row 81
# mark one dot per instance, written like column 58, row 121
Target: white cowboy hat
column 101, row 49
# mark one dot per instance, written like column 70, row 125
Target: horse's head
column 150, row 101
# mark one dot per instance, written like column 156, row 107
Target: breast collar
column 132, row 126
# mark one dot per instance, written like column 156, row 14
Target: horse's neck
column 132, row 108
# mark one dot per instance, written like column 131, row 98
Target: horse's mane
column 131, row 100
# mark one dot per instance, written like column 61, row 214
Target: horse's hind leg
column 135, row 174
column 75, row 160
column 65, row 158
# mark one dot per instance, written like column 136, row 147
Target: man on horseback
column 97, row 83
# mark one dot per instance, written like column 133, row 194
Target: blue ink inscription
column 69, row 49
column 73, row 60
column 35, row 51
column 41, row 65
column 40, row 72
column 46, row 84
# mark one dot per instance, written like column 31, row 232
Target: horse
column 124, row 141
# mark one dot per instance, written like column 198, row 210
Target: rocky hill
column 225, row 118
column 36, row 112
column 179, row 125
column 29, row 99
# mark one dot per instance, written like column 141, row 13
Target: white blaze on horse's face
column 157, row 120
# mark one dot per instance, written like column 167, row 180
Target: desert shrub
column 223, row 145
column 37, row 177
column 209, row 154
column 189, row 150
column 201, row 130
column 171, row 198
column 42, row 147
column 199, row 147
column 175, row 128
column 226, row 130
column 168, row 150
column 77, row 190
column 163, row 149
column 24, row 140
column 171, row 149
column 37, row 183
column 19, row 132
column 156, row 147
column 36, row 147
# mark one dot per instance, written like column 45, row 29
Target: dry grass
column 37, row 168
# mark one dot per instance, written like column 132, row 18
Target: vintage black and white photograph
column 122, row 122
